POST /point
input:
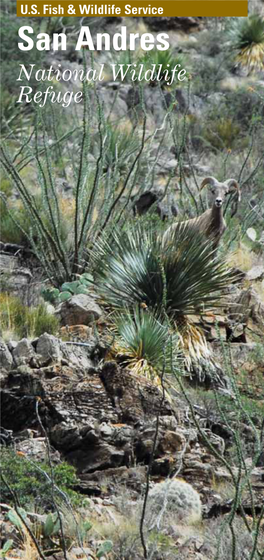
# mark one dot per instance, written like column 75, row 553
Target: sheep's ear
column 208, row 181
column 233, row 187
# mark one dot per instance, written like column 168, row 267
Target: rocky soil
column 103, row 420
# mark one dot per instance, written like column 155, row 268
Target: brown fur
column 211, row 222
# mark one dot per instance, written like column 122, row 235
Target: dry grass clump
column 18, row 320
column 242, row 258
column 219, row 537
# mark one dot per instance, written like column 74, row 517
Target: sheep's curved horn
column 209, row 181
column 233, row 183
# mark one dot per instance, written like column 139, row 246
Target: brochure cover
column 132, row 279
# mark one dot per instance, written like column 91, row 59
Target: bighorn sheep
column 211, row 222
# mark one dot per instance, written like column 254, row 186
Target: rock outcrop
column 173, row 23
column 81, row 309
column 103, row 420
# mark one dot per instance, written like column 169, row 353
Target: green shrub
column 222, row 133
column 6, row 187
column 210, row 42
column 8, row 6
column 12, row 316
column 11, row 56
column 210, row 73
column 120, row 147
column 164, row 59
column 232, row 123
column 9, row 231
column 123, row 57
column 243, row 106
column 42, row 321
column 31, row 485
column 17, row 225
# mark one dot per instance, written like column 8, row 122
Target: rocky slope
column 67, row 393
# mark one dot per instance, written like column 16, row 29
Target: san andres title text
column 121, row 41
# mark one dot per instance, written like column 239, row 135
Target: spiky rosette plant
column 186, row 277
column 144, row 342
column 120, row 145
column 132, row 267
column 163, row 62
column 247, row 38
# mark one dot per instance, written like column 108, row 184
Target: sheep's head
column 221, row 190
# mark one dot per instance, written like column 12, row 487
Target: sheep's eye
column 213, row 191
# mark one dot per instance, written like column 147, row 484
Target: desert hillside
column 132, row 291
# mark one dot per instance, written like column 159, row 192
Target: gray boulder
column 79, row 310
column 6, row 359
column 15, row 276
column 114, row 104
column 49, row 347
column 173, row 23
column 23, row 352
column 36, row 449
column 256, row 273
column 78, row 356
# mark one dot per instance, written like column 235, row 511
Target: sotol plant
column 163, row 62
column 247, row 39
column 143, row 343
column 120, row 148
column 187, row 277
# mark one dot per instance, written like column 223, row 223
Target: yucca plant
column 120, row 147
column 247, row 38
column 163, row 61
column 132, row 267
column 184, row 278
column 144, row 343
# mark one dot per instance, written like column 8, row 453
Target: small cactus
column 68, row 289
column 181, row 500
